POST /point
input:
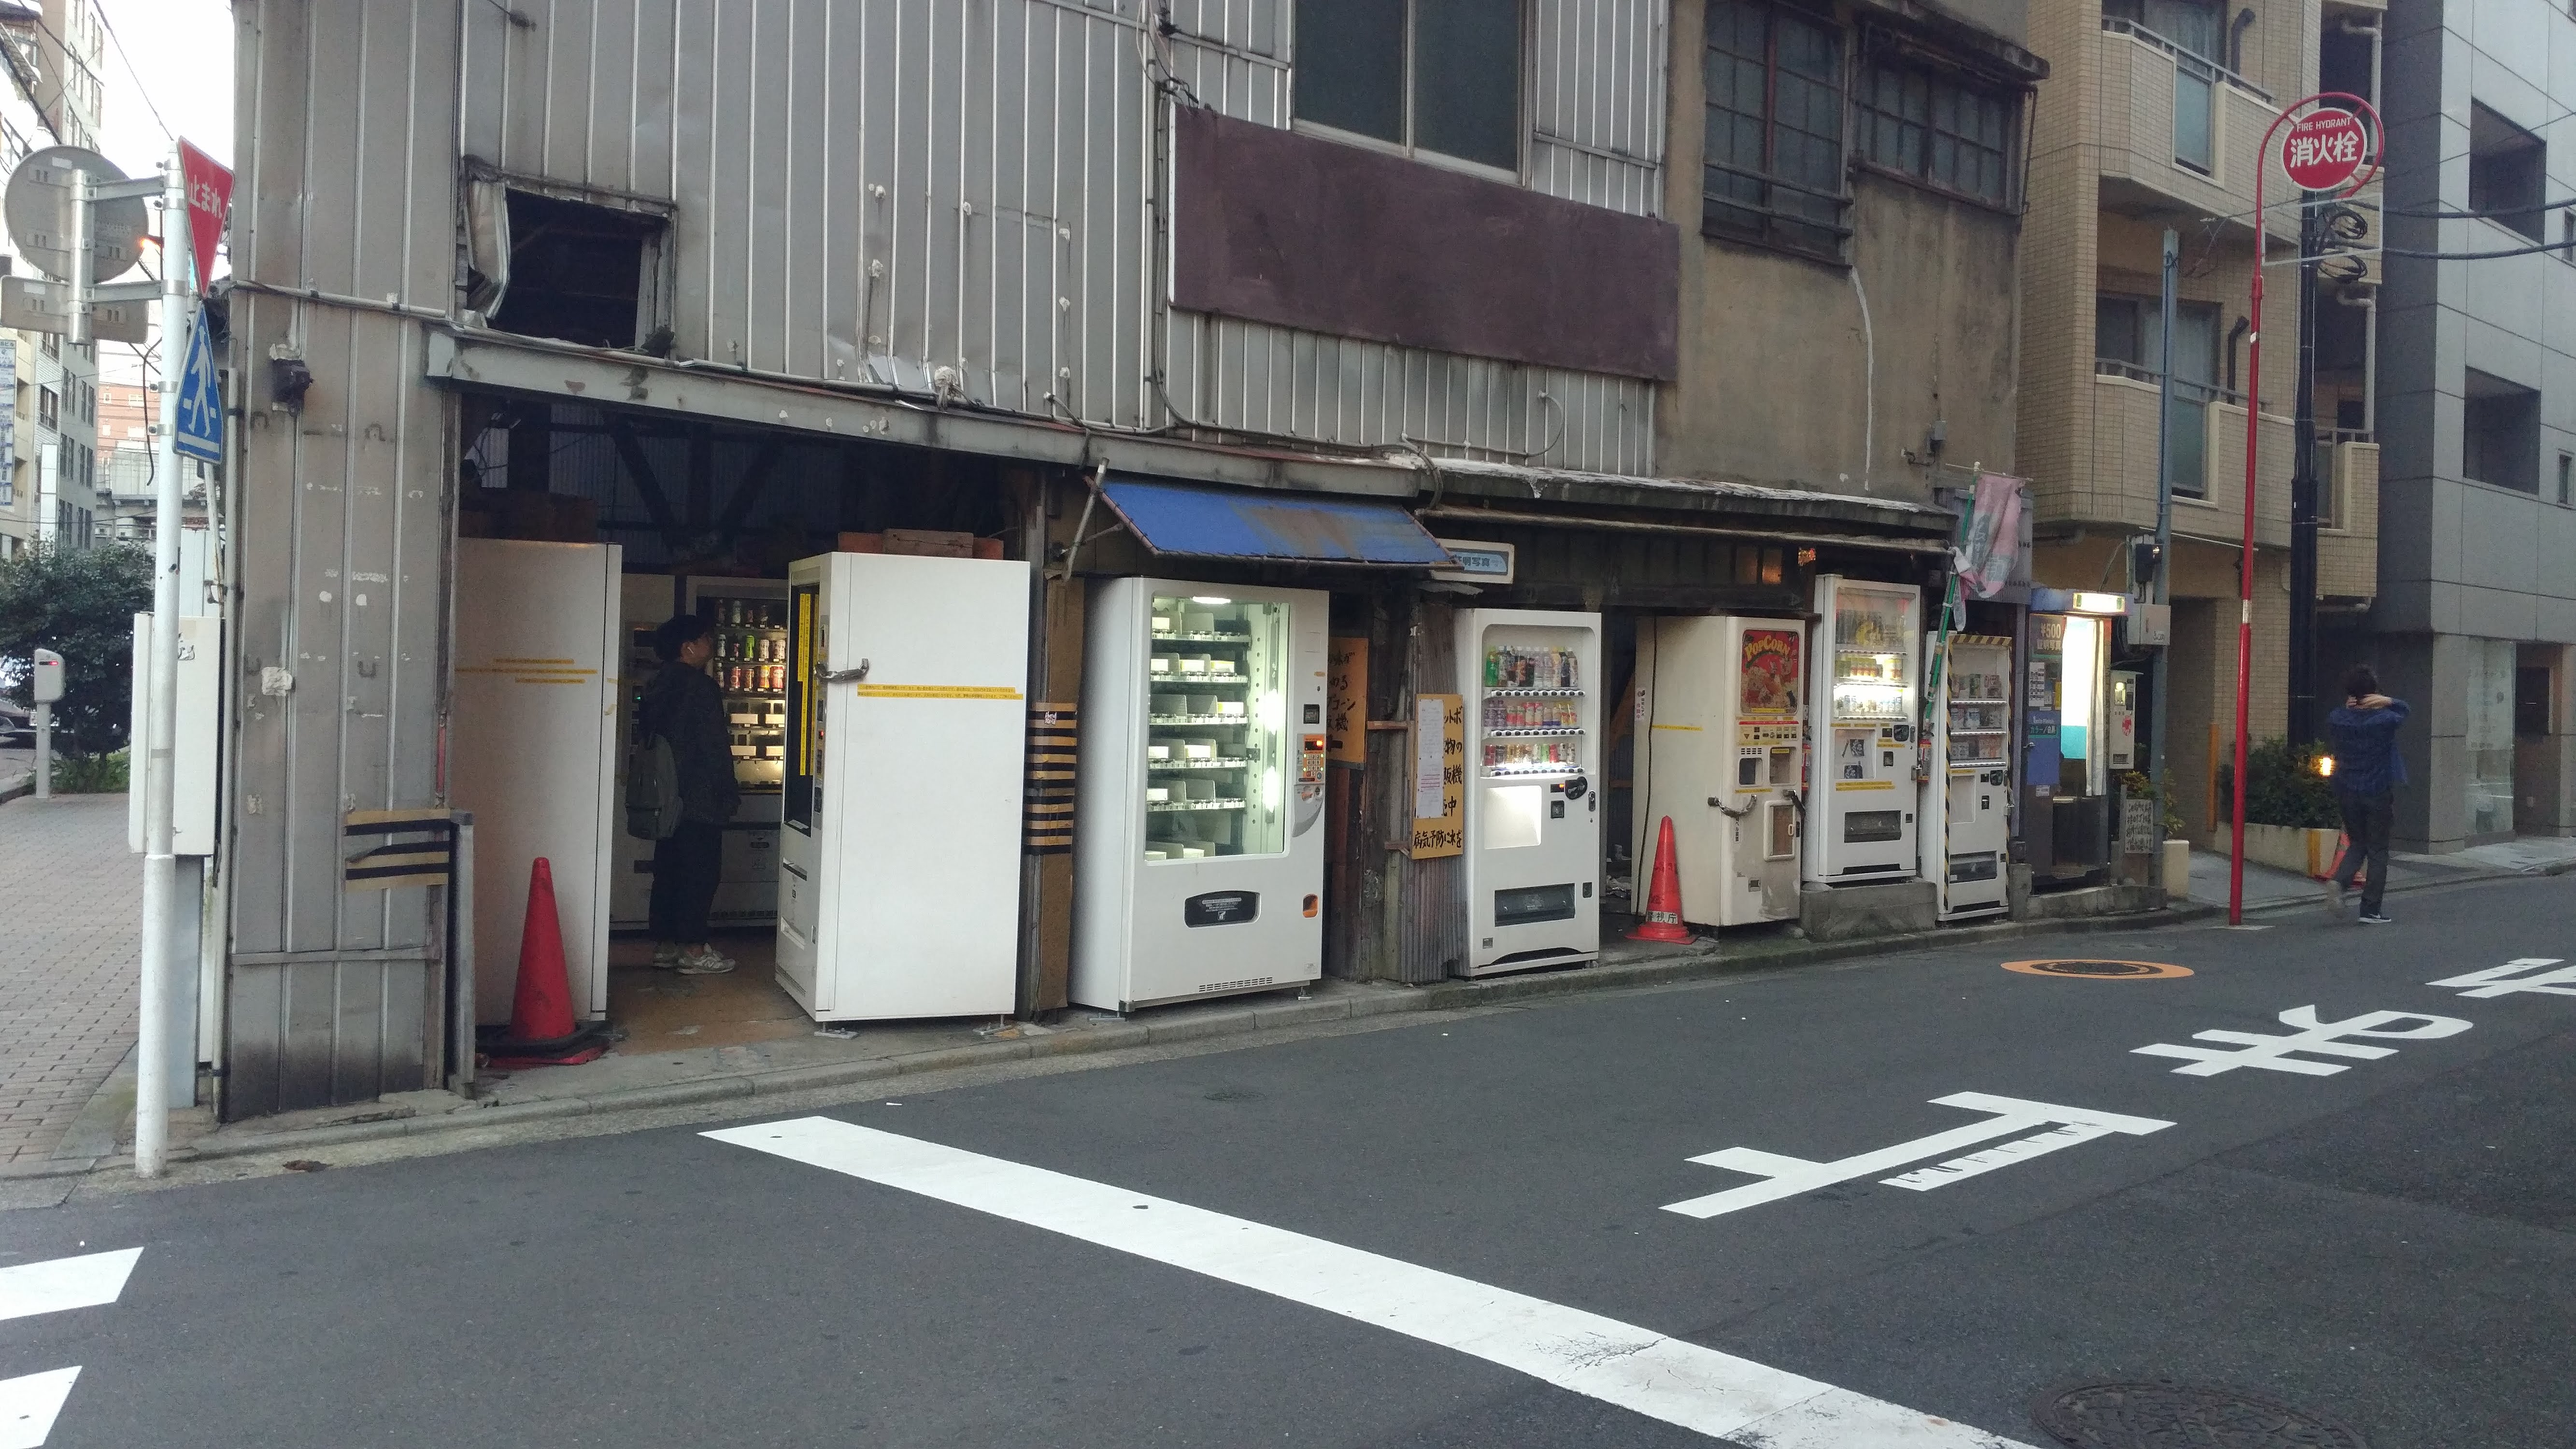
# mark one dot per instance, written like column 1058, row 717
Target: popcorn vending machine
column 1722, row 723
column 1861, row 804
column 1967, row 839
column 1533, row 843
column 1198, row 857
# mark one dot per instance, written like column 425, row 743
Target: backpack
column 652, row 790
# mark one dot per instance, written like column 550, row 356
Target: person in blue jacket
column 2367, row 772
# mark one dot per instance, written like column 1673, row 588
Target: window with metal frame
column 1937, row 128
column 2128, row 341
column 1773, row 169
column 1441, row 76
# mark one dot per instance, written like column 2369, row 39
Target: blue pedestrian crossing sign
column 199, row 414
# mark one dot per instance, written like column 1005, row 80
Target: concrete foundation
column 2103, row 900
column 1852, row 913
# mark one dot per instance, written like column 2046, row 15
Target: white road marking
column 1790, row 1176
column 60, row 1284
column 2491, row 982
column 2317, row 1038
column 1635, row 1368
column 2002, row 1154
column 28, row 1406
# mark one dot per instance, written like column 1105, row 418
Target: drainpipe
column 2368, row 300
column 2236, row 40
column 1869, row 380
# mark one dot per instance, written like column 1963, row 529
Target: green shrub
column 90, row 774
column 81, row 603
column 2282, row 787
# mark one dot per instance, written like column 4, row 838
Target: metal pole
column 2245, row 568
column 44, row 752
column 2303, row 482
column 160, row 864
column 2164, row 520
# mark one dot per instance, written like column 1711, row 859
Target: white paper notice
column 1429, row 760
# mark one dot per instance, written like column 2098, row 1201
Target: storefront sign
column 1770, row 674
column 1346, row 700
column 1478, row 563
column 1439, row 776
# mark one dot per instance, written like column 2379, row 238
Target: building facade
column 2475, row 364
column 48, row 436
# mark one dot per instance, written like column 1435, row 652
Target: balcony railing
column 2139, row 32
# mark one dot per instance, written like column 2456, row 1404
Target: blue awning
column 1197, row 522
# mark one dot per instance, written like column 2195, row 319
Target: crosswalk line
column 58, row 1285
column 1635, row 1368
column 28, row 1406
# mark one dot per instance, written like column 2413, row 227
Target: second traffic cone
column 542, row 1031
column 1664, row 898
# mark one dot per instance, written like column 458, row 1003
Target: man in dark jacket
column 2367, row 770
column 684, row 706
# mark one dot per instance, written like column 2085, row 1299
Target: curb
column 1702, row 961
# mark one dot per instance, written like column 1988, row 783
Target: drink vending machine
column 1533, row 827
column 1722, row 754
column 1199, row 864
column 1967, row 832
column 906, row 727
column 1860, row 810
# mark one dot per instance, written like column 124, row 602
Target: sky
column 168, row 62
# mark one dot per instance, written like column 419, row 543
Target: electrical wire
column 99, row 8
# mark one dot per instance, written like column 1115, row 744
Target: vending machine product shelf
column 1533, row 812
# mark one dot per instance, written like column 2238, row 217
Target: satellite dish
column 38, row 208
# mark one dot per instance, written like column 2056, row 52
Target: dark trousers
column 685, row 867
column 2365, row 822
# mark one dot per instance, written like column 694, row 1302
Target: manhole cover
column 2163, row 1415
column 2101, row 970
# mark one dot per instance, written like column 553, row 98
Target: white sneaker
column 713, row 963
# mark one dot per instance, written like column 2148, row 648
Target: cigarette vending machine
column 1722, row 755
column 750, row 666
column 1860, row 808
column 1533, row 843
column 899, row 863
column 1199, row 864
column 1968, row 801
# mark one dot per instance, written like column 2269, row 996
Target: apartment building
column 2151, row 119
column 48, row 389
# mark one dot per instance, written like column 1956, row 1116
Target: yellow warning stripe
column 1694, row 729
column 938, row 691
column 526, row 669
column 1864, row 784
column 519, row 659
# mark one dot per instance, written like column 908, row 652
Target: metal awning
column 1196, row 522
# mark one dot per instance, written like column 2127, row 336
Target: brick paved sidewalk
column 73, row 898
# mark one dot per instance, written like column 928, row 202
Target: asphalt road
column 2388, row 1244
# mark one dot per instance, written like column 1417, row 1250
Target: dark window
column 2531, row 701
column 49, row 406
column 1774, row 168
column 1931, row 126
column 2128, row 341
column 1437, row 75
column 578, row 271
column 2500, row 433
column 2566, row 480
column 2506, row 164
column 2193, row 25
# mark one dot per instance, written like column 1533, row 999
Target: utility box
column 49, row 676
column 196, row 744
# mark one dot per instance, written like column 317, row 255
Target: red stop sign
column 2323, row 149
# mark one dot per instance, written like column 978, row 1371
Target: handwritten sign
column 1439, row 776
column 1346, row 700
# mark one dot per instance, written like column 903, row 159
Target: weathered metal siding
column 969, row 182
column 347, row 184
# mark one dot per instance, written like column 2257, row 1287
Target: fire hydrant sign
column 1439, row 776
column 2323, row 149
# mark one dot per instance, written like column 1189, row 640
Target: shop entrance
column 571, row 512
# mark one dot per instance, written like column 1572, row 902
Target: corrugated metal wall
column 958, row 181
column 966, row 182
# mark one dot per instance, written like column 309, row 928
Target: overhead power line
column 140, row 89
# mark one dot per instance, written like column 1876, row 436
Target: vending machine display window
column 1860, row 827
column 1872, row 637
column 1216, row 727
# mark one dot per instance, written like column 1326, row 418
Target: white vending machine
column 750, row 666
column 899, row 863
column 1533, row 823
column 1722, row 754
column 1967, row 831
column 1861, row 805
column 531, row 750
column 1199, row 852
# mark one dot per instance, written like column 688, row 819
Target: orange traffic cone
column 542, row 1031
column 1664, row 899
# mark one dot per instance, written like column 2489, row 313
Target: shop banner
column 1439, row 776
column 1988, row 557
column 1346, row 700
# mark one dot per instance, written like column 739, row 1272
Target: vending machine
column 1533, row 826
column 1722, row 754
column 750, row 666
column 1198, row 854
column 899, row 860
column 1967, row 803
column 1861, row 805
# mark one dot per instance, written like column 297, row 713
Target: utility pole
column 2164, row 517
column 2303, row 481
column 161, row 729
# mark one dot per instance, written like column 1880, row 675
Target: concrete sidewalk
column 72, row 898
